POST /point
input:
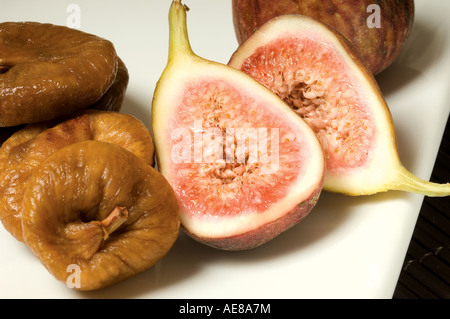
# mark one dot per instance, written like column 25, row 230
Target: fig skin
column 378, row 47
column 28, row 147
column 264, row 233
column 69, row 198
column 211, row 220
column 49, row 71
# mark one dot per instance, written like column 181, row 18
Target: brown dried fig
column 28, row 147
column 97, row 208
column 47, row 71
column 113, row 98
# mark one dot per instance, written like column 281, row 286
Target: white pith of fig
column 318, row 74
column 231, row 197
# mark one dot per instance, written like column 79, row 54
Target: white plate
column 346, row 248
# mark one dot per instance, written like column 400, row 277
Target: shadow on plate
column 421, row 50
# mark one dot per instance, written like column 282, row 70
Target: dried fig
column 113, row 98
column 377, row 29
column 101, row 209
column 318, row 74
column 28, row 147
column 244, row 166
column 47, row 71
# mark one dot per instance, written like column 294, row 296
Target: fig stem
column 116, row 218
column 178, row 34
column 407, row 181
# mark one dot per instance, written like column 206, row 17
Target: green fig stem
column 407, row 181
column 178, row 34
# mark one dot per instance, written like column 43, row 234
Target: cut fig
column 243, row 166
column 377, row 29
column 318, row 74
column 99, row 209
column 48, row 71
column 21, row 153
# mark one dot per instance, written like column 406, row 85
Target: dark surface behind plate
column 426, row 269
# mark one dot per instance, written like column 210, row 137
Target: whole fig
column 377, row 29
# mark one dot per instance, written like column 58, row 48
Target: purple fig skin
column 261, row 235
column 377, row 45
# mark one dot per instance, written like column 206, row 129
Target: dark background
column 426, row 269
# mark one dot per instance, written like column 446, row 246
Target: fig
column 377, row 29
column 243, row 166
column 113, row 98
column 21, row 153
column 318, row 74
column 48, row 71
column 95, row 214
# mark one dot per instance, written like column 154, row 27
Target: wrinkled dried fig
column 97, row 207
column 113, row 98
column 28, row 147
column 47, row 71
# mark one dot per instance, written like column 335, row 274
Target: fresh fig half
column 316, row 71
column 243, row 166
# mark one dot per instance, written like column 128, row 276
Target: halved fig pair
column 243, row 166
column 327, row 108
column 48, row 71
